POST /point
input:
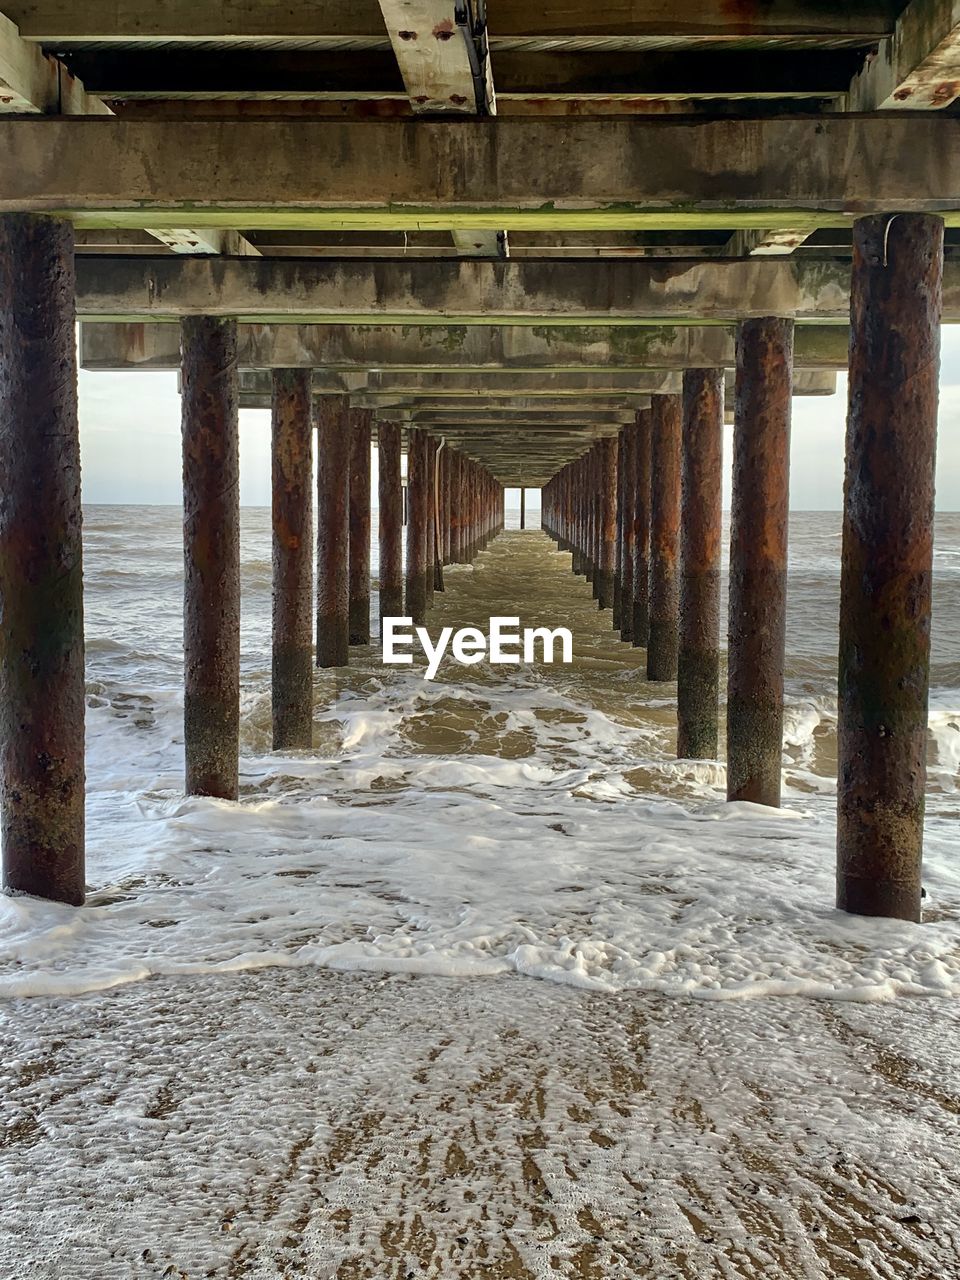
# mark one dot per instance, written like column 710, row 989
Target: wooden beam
column 31, row 83
column 776, row 242
column 445, row 70
column 432, row 54
column 245, row 20
column 497, row 172
column 441, row 348
column 918, row 67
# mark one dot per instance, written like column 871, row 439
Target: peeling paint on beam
column 685, row 169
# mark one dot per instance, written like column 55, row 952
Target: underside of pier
column 552, row 247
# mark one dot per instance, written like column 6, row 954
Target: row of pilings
column 661, row 569
column 641, row 515
column 453, row 507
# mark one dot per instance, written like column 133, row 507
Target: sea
column 526, row 819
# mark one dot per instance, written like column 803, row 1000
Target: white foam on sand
column 588, row 857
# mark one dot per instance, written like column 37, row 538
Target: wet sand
column 308, row 1123
column 274, row 1123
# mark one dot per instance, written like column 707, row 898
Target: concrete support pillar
column 292, row 468
column 887, row 560
column 523, row 508
column 211, row 547
column 698, row 662
column 41, row 573
column 359, row 606
column 628, row 500
column 643, row 497
column 333, row 531
column 666, row 431
column 758, row 559
column 390, row 492
column 607, row 521
column 416, row 594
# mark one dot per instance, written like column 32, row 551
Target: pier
column 579, row 249
column 552, row 249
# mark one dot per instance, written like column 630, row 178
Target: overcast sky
column 130, row 441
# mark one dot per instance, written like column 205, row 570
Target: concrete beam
column 547, row 174
column 454, row 406
column 241, row 21
column 33, row 83
column 918, row 67
column 457, row 348
column 266, row 290
column 458, row 391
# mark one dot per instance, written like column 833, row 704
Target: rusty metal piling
column 664, row 537
column 698, row 660
column 359, row 606
column 41, row 574
column 292, row 511
column 390, row 521
column 333, row 531
column 887, row 562
column 211, row 552
column 758, row 559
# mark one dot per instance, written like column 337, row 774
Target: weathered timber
column 918, row 67
column 211, row 552
column 41, row 571
column 292, row 474
column 244, row 21
column 887, row 562
column 758, row 561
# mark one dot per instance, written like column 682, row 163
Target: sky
column 130, row 442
